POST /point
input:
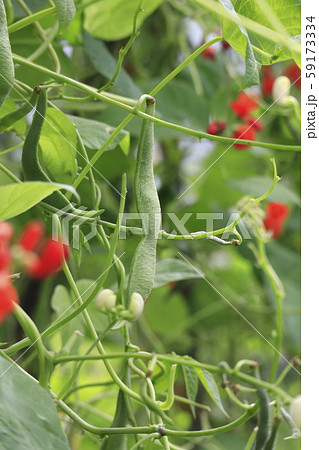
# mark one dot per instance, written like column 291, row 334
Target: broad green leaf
column 191, row 384
column 94, row 134
column 173, row 270
column 113, row 20
column 288, row 12
column 238, row 38
column 209, row 383
column 105, row 63
column 66, row 12
column 18, row 198
column 258, row 185
column 7, row 107
column 28, row 416
column 58, row 147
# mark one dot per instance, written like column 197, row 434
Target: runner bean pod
column 142, row 272
column 32, row 168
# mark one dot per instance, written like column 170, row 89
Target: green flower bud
column 136, row 305
column 106, row 300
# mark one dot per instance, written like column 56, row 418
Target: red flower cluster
column 243, row 106
column 216, row 127
column 49, row 259
column 293, row 73
column 39, row 259
column 268, row 78
column 8, row 294
column 209, row 53
column 276, row 215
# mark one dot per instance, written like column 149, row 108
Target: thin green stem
column 78, row 367
column 46, row 43
column 284, row 373
column 179, row 360
column 151, row 429
column 235, row 399
column 123, row 51
column 184, row 64
column 11, row 149
column 42, row 36
column 251, row 439
column 26, row 21
column 108, row 99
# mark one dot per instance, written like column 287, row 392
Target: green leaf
column 258, row 185
column 94, row 134
column 174, row 270
column 66, row 12
column 238, row 38
column 105, row 63
column 191, row 384
column 28, row 416
column 209, row 383
column 18, row 198
column 113, row 20
column 58, row 147
column 288, row 12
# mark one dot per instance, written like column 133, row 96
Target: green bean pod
column 6, row 63
column 30, row 158
column 118, row 441
column 271, row 442
column 142, row 272
column 12, row 117
column 31, row 165
column 264, row 420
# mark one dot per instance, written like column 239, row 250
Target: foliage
column 211, row 353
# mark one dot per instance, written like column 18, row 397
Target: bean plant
column 149, row 224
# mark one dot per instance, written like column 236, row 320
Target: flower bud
column 295, row 411
column 136, row 306
column 106, row 300
column 280, row 90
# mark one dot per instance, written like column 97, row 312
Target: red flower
column 267, row 81
column 49, row 261
column 256, row 124
column 245, row 131
column 225, row 45
column 209, row 53
column 6, row 232
column 244, row 105
column 216, row 127
column 293, row 73
column 276, row 215
column 31, row 235
column 8, row 295
column 5, row 256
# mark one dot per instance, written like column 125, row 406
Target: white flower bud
column 136, row 305
column 280, row 90
column 106, row 300
column 295, row 411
